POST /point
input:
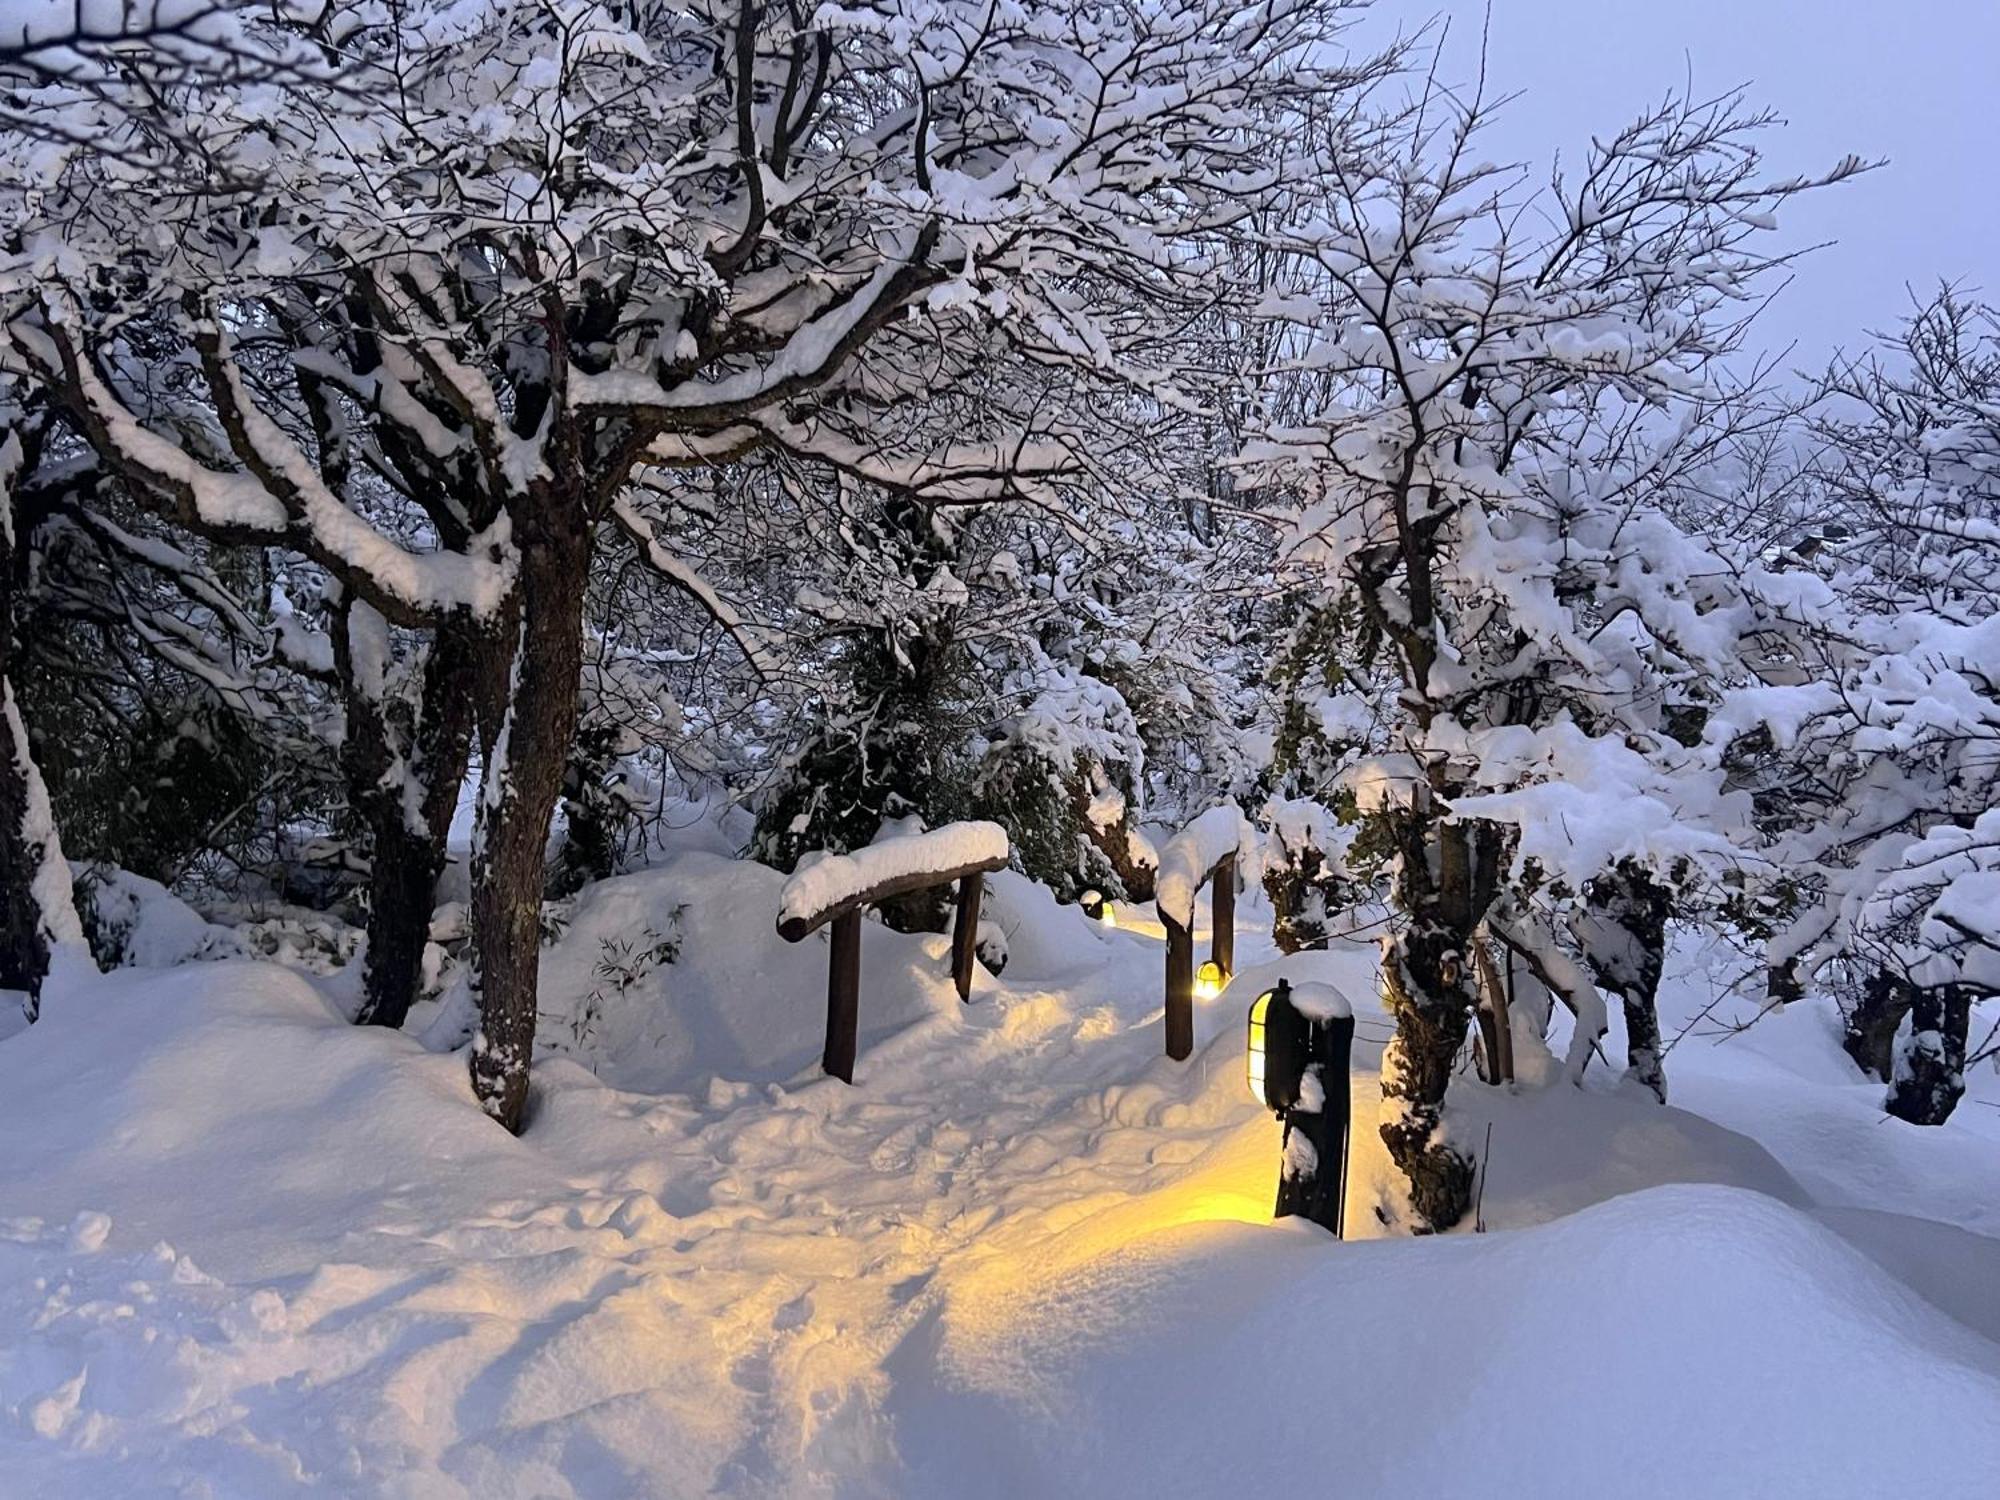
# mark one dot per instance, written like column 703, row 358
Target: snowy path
column 913, row 1286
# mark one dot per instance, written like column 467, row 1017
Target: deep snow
column 249, row 1251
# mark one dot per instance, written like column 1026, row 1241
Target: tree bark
column 406, row 837
column 37, row 906
column 1625, row 943
column 1930, row 1066
column 1430, row 987
column 1868, row 1033
column 522, row 782
column 24, row 948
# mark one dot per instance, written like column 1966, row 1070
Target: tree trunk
column 24, row 947
column 1782, row 984
column 1430, row 987
column 1930, row 1065
column 37, row 903
column 523, row 779
column 406, row 802
column 1868, row 1033
column 1624, row 933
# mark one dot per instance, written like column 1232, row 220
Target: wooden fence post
column 965, row 934
column 843, row 996
column 1222, row 942
column 1180, row 990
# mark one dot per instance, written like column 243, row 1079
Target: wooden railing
column 843, row 981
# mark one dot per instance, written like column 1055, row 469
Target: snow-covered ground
column 249, row 1251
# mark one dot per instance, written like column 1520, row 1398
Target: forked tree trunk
column 1429, row 985
column 1868, row 1034
column 1930, row 1064
column 406, row 835
column 523, row 780
column 1624, row 933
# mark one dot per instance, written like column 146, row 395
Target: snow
column 1190, row 854
column 734, row 1003
column 250, row 1250
column 1747, row 1292
column 816, row 889
column 1321, row 1002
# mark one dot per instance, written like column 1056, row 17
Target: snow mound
column 1231, row 1360
column 667, row 978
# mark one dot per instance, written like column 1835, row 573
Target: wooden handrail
column 794, row 929
column 1221, row 880
column 843, row 976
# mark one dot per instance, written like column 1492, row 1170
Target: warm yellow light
column 1208, row 980
column 1107, row 916
column 1253, row 1057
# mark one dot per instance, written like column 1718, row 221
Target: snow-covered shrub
column 1061, row 776
column 1307, row 875
column 133, row 922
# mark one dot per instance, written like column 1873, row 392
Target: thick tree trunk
column 406, row 803
column 24, row 948
column 37, row 904
column 1625, row 942
column 1930, row 1065
column 1868, row 1033
column 1429, row 985
column 523, row 779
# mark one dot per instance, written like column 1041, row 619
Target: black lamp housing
column 1287, row 1044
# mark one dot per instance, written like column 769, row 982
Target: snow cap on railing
column 1193, row 852
column 838, row 879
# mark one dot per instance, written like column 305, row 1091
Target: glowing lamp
column 1296, row 1063
column 1208, row 980
column 1097, row 906
column 1275, row 1057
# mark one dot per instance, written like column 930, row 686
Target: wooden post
column 1222, row 942
column 843, row 996
column 1180, row 990
column 965, row 934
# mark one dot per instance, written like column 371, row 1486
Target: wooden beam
column 1180, row 990
column 843, row 996
column 965, row 933
column 794, row 929
column 1222, row 941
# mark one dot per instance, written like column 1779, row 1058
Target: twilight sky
column 1917, row 81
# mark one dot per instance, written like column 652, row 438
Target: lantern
column 1097, row 906
column 1296, row 1063
column 1208, row 980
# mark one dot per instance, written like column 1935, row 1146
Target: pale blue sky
column 1917, row 81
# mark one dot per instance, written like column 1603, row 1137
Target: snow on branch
column 748, row 638
column 1191, row 856
column 839, row 883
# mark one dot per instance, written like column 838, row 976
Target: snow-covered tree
column 427, row 323
column 1877, row 748
column 1510, row 375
